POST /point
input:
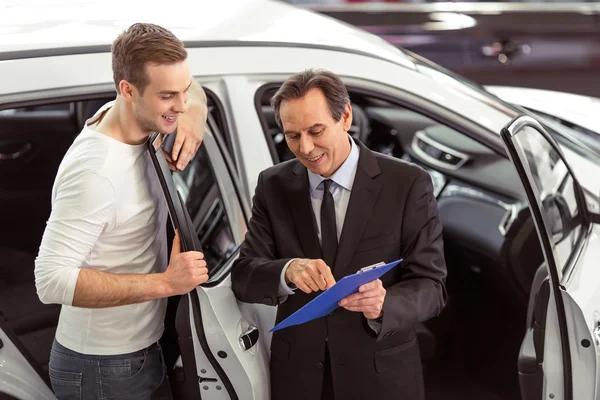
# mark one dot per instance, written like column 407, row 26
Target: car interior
column 492, row 251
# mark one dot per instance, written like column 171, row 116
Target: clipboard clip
column 370, row 267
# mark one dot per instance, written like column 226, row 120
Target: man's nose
column 180, row 104
column 306, row 144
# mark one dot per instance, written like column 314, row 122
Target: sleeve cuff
column 284, row 289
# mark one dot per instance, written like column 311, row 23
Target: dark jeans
column 141, row 375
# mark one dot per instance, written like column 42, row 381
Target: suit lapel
column 298, row 194
column 365, row 191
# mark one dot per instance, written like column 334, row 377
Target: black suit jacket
column 392, row 214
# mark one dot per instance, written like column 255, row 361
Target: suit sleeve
column 256, row 274
column 421, row 293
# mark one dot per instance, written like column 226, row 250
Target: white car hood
column 573, row 108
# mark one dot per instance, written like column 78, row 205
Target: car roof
column 37, row 28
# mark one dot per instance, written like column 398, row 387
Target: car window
column 208, row 193
column 217, row 113
column 382, row 126
column 555, row 187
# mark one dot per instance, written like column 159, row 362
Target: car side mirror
column 557, row 216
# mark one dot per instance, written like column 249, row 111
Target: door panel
column 205, row 206
column 531, row 354
column 20, row 375
column 558, row 338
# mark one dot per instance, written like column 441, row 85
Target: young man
column 104, row 251
column 336, row 208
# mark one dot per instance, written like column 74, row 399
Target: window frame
column 224, row 270
column 564, row 273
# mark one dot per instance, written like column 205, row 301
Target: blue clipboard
column 328, row 301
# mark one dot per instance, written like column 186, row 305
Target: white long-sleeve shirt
column 109, row 214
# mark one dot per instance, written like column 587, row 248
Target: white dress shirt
column 340, row 189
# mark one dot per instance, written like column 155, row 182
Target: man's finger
column 368, row 301
column 302, row 286
column 358, row 300
column 167, row 155
column 370, row 286
column 176, row 243
column 321, row 282
column 353, row 297
column 365, row 310
column 311, row 283
column 170, row 162
column 314, row 275
column 304, row 282
column 185, row 154
column 195, row 255
column 325, row 272
column 354, row 308
column 179, row 139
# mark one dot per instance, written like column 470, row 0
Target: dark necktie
column 329, row 243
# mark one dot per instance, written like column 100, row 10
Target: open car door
column 560, row 352
column 224, row 344
column 21, row 377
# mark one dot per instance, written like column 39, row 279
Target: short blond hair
column 143, row 44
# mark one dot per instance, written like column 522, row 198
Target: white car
column 518, row 197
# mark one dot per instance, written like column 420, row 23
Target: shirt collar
column 345, row 174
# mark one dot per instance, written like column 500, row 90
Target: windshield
column 582, row 141
column 588, row 136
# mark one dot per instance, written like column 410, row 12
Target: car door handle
column 597, row 334
column 249, row 338
column 19, row 152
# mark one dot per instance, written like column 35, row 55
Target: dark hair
column 139, row 45
column 301, row 83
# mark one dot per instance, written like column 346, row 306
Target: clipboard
column 328, row 301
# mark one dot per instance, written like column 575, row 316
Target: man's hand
column 368, row 300
column 190, row 129
column 309, row 275
column 186, row 270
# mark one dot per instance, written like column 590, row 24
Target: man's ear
column 347, row 117
column 127, row 90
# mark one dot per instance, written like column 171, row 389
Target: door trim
column 189, row 241
column 508, row 133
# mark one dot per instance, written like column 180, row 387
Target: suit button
column 268, row 301
column 320, row 365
